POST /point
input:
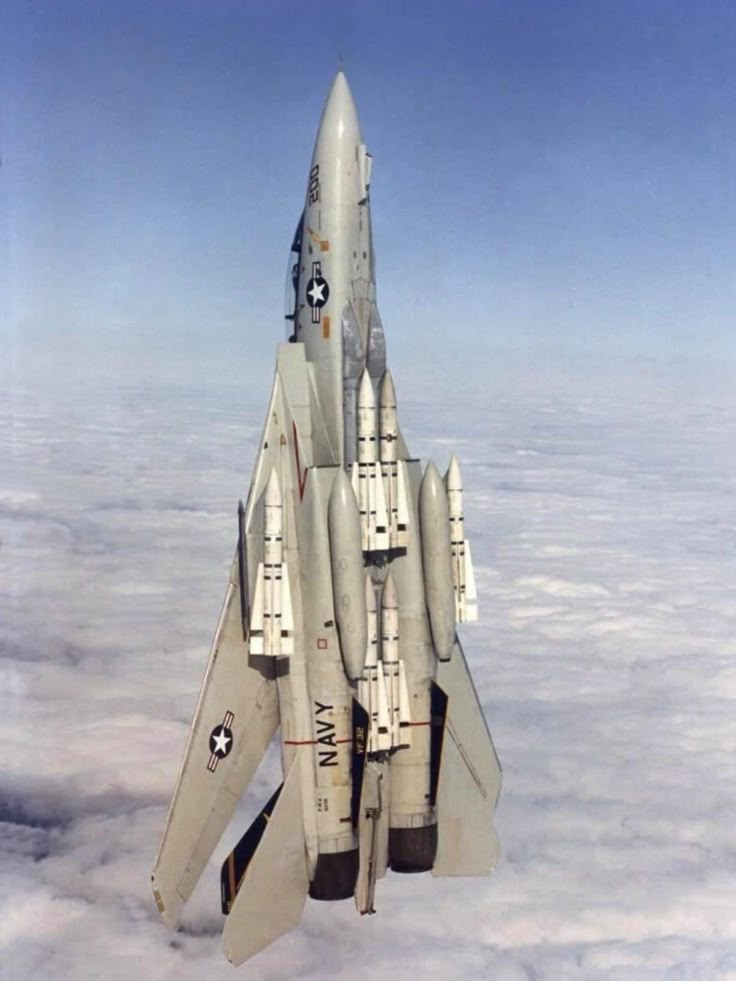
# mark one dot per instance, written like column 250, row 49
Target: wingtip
column 168, row 911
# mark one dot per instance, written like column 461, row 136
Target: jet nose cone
column 339, row 117
column 340, row 97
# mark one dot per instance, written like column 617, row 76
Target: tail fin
column 469, row 778
column 270, row 897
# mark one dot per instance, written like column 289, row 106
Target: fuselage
column 335, row 314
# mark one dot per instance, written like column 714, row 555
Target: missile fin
column 404, row 709
column 383, row 740
column 355, row 483
column 287, row 613
column 402, row 508
column 469, row 608
column 380, row 536
column 256, row 617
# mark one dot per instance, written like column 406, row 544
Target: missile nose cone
column 388, row 392
column 366, row 395
column 273, row 491
column 370, row 595
column 389, row 600
column 453, row 480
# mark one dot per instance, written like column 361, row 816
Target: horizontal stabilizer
column 469, row 778
column 271, row 896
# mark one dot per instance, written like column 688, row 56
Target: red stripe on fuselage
column 313, row 742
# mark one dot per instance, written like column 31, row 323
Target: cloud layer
column 600, row 505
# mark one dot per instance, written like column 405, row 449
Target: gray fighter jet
column 339, row 622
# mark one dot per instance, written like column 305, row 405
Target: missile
column 338, row 629
column 272, row 620
column 367, row 444
column 393, row 668
column 388, row 425
column 372, row 686
column 366, row 473
column 466, row 600
column 393, row 470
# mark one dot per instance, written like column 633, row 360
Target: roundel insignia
column 221, row 741
column 318, row 292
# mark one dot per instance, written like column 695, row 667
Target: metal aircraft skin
column 350, row 575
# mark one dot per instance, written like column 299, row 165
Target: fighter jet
column 350, row 575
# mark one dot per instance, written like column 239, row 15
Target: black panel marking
column 360, row 745
column 236, row 864
column 437, row 733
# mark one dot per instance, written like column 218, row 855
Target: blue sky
column 550, row 177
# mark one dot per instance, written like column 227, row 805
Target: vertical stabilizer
column 274, row 888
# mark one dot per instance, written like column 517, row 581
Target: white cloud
column 601, row 510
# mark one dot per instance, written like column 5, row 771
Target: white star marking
column 317, row 292
column 221, row 742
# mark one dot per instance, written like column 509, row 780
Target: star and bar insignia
column 221, row 741
column 318, row 292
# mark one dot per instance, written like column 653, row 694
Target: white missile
column 371, row 654
column 393, row 470
column 372, row 687
column 388, row 425
column 366, row 473
column 367, row 443
column 466, row 599
column 347, row 575
column 434, row 518
column 272, row 619
column 393, row 668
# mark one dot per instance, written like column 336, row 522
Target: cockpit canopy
column 291, row 286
